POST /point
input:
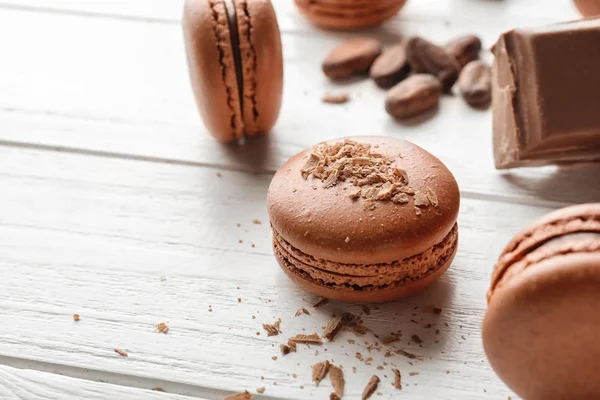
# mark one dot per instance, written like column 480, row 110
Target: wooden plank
column 22, row 384
column 168, row 11
column 126, row 93
column 92, row 236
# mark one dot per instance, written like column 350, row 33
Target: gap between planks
column 497, row 198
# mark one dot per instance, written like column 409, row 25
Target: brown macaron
column 588, row 8
column 364, row 219
column 348, row 14
column 540, row 331
column 235, row 63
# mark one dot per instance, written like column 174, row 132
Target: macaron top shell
column 580, row 218
column 235, row 65
column 540, row 331
column 324, row 221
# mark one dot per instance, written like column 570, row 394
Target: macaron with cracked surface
column 235, row 63
column 540, row 331
column 348, row 14
column 364, row 219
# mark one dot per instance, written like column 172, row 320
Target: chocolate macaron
column 236, row 68
column 364, row 219
column 588, row 8
column 541, row 328
column 348, row 14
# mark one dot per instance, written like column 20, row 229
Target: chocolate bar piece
column 546, row 95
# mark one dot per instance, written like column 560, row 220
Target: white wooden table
column 108, row 182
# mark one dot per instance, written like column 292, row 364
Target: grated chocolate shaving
column 390, row 340
column 336, row 375
column 162, row 327
column 313, row 338
column 421, row 199
column 260, row 390
column 371, row 387
column 122, row 353
column 416, row 339
column 292, row 345
column 413, row 373
column 319, row 302
column 319, row 371
column 273, row 329
column 340, row 98
column 432, row 197
column 397, row 378
column 301, row 311
column 372, row 174
column 407, row 354
column 332, row 328
column 245, row 395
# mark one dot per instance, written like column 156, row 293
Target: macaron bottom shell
column 366, row 283
column 345, row 16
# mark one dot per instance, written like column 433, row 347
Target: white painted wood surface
column 18, row 384
column 108, row 182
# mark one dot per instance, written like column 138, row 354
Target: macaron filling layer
column 355, row 277
column 235, row 48
column 559, row 237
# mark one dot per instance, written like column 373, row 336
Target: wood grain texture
column 19, row 384
column 126, row 92
column 93, row 236
column 108, row 182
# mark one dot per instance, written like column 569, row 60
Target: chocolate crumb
column 239, row 299
column 432, row 197
column 416, row 339
column 319, row 371
column 272, row 329
column 437, row 310
column 369, row 361
column 75, row 317
column 336, row 375
column 397, row 378
column 390, row 340
column 260, row 390
column 319, row 302
column 285, row 349
column 332, row 328
column 254, row 317
column 334, row 396
column 256, row 221
column 274, row 358
column 340, row 98
column 351, row 341
column 245, row 395
column 421, row 199
column 313, row 338
column 121, row 353
column 301, row 311
column 366, row 310
column 380, row 367
column 162, row 327
column 219, row 174
column 413, row 373
column 407, row 354
column 371, row 387
column 257, row 333
column 291, row 345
